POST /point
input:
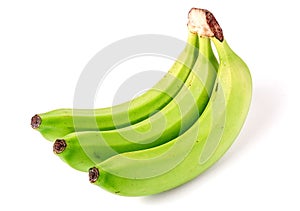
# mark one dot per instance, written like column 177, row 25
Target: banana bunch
column 170, row 134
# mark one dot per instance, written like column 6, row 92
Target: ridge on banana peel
column 167, row 166
column 82, row 150
column 58, row 123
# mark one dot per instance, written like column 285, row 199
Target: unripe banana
column 82, row 150
column 176, row 162
column 58, row 123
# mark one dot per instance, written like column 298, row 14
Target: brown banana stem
column 204, row 23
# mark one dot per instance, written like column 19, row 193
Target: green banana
column 58, row 123
column 176, row 162
column 82, row 150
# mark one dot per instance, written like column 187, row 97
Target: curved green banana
column 58, row 123
column 167, row 166
column 83, row 150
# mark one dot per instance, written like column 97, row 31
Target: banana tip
column 59, row 146
column 93, row 174
column 36, row 121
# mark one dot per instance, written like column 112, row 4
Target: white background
column 44, row 46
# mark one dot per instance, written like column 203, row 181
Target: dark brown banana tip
column 36, row 121
column 93, row 174
column 59, row 146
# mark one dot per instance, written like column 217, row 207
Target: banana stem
column 204, row 23
column 192, row 38
column 205, row 47
column 222, row 48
